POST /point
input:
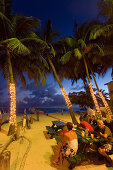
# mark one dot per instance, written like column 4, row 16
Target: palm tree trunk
column 102, row 97
column 12, row 91
column 68, row 102
column 91, row 89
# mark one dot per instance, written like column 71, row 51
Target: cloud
column 44, row 99
column 78, row 88
column 41, row 96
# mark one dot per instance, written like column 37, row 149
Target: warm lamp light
column 12, row 91
column 94, row 99
column 105, row 103
column 66, row 98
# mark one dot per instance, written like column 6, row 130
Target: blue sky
column 62, row 14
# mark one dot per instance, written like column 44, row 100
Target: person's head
column 100, row 124
column 69, row 125
column 81, row 120
column 65, row 128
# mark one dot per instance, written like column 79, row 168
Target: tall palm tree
column 48, row 35
column 15, row 31
column 83, row 47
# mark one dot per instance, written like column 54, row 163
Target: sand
column 35, row 151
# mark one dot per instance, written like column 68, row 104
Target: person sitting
column 103, row 149
column 69, row 145
column 84, row 125
column 60, row 143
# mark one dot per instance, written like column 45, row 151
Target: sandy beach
column 35, row 151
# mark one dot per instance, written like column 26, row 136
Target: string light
column 66, row 98
column 94, row 99
column 109, row 113
column 12, row 91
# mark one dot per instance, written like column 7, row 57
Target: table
column 58, row 125
column 88, row 138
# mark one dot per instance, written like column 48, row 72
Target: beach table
column 54, row 129
column 58, row 125
column 88, row 139
column 86, row 149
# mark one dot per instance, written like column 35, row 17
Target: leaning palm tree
column 83, row 47
column 48, row 35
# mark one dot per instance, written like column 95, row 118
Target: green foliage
column 15, row 46
column 69, row 41
column 84, row 99
column 48, row 34
column 52, row 51
column 82, row 43
column 77, row 53
column 25, row 26
column 66, row 57
column 104, row 30
column 81, row 98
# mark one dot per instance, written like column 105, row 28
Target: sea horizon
column 54, row 109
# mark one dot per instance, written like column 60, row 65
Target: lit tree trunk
column 91, row 89
column 12, row 91
column 102, row 97
column 68, row 102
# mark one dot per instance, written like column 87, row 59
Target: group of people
column 35, row 111
column 69, row 142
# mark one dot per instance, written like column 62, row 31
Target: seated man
column 103, row 149
column 84, row 125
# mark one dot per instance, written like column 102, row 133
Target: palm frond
column 36, row 42
column 52, row 51
column 101, row 52
column 43, row 78
column 69, row 41
column 15, row 46
column 24, row 25
column 6, row 21
column 101, row 31
column 66, row 57
column 23, row 80
column 82, row 43
column 3, row 17
column 77, row 53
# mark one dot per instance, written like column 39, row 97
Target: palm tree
column 84, row 47
column 15, row 33
column 48, row 35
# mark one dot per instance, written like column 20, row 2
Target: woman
column 69, row 145
column 58, row 155
column 69, row 149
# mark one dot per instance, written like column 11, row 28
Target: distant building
column 110, row 88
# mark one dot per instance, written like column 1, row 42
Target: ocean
column 20, row 111
column 51, row 110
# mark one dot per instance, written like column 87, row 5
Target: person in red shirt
column 84, row 125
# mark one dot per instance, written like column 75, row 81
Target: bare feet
column 56, row 162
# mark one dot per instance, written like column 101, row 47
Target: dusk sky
column 62, row 14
